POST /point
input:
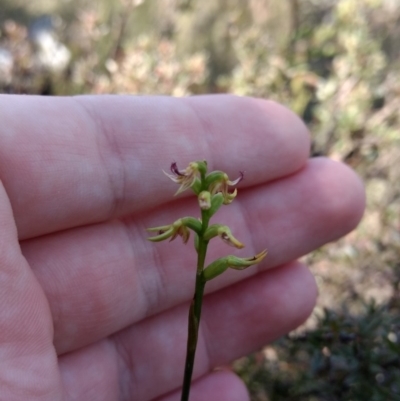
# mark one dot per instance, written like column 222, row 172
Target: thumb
column 28, row 362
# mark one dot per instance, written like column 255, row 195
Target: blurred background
column 336, row 63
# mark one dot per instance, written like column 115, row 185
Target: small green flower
column 224, row 233
column 222, row 184
column 220, row 265
column 179, row 227
column 189, row 177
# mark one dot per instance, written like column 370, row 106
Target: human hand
column 89, row 309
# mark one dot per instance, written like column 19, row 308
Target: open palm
column 89, row 309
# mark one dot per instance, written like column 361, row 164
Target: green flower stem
column 195, row 309
column 212, row 192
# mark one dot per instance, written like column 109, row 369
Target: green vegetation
column 336, row 63
column 346, row 357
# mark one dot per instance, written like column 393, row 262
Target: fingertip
column 294, row 292
column 259, row 310
column 344, row 195
column 306, row 292
column 262, row 136
column 292, row 133
column 356, row 193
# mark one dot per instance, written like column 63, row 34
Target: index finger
column 67, row 162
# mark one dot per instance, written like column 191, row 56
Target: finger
column 67, row 162
column 101, row 380
column 28, row 363
column 217, row 386
column 149, row 356
column 100, row 279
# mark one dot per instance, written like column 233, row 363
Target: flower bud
column 204, row 200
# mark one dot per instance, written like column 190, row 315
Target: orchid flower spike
column 213, row 190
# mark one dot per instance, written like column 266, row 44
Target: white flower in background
column 51, row 53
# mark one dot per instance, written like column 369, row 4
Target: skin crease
column 93, row 311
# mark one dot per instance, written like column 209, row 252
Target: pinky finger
column 216, row 386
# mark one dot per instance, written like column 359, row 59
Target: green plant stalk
column 195, row 310
column 212, row 192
